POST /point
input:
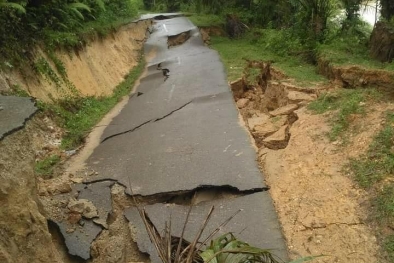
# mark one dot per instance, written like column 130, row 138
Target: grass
column 378, row 163
column 344, row 104
column 77, row 115
column 389, row 247
column 349, row 50
column 206, row 20
column 374, row 171
column 232, row 53
column 45, row 167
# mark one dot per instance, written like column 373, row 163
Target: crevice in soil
column 178, row 39
column 268, row 104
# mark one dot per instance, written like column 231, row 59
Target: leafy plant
column 46, row 166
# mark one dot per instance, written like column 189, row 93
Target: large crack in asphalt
column 147, row 122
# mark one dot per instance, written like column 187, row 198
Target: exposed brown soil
column 179, row 39
column 24, row 233
column 95, row 70
column 321, row 210
column 356, row 76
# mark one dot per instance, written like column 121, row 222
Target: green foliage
column 228, row 249
column 252, row 47
column 389, row 247
column 79, row 114
column 344, row 103
column 56, row 23
column 46, row 167
column 42, row 67
column 207, row 20
column 378, row 163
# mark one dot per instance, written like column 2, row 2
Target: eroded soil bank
column 25, row 235
column 95, row 70
column 321, row 210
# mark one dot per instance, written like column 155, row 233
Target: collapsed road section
column 182, row 133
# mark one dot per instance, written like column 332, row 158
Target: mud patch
column 179, row 39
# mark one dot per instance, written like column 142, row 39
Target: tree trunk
column 382, row 42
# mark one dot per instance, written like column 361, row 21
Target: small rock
column 278, row 140
column 297, row 97
column 284, row 110
column 70, row 230
column 269, row 126
column 71, row 152
column 252, row 122
column 241, row 103
column 84, row 207
column 74, row 218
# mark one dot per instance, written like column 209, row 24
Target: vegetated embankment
column 95, row 70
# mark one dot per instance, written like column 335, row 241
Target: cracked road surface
column 184, row 133
column 14, row 112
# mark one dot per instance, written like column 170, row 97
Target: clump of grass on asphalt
column 46, row 166
column 77, row 115
column 344, row 103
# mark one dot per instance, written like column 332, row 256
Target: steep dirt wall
column 24, row 235
column 356, row 76
column 95, row 70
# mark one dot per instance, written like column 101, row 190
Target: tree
column 387, row 9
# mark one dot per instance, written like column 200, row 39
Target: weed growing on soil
column 207, row 20
column 77, row 115
column 345, row 103
column 233, row 51
column 378, row 163
column 374, row 171
column 389, row 247
column 45, row 167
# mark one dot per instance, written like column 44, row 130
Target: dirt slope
column 95, row 70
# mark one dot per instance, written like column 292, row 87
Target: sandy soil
column 320, row 208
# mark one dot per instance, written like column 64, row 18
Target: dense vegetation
column 56, row 24
column 305, row 25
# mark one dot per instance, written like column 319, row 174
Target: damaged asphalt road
column 181, row 134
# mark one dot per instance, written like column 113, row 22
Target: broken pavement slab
column 175, row 153
column 14, row 114
column 256, row 223
column 79, row 237
column 84, row 217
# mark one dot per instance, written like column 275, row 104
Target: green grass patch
column 349, row 50
column 378, row 163
column 370, row 171
column 45, row 168
column 77, row 115
column 201, row 20
column 232, row 52
column 344, row 103
column 389, row 247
